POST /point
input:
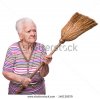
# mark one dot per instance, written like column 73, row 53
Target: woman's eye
column 34, row 30
column 29, row 31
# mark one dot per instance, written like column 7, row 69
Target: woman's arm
column 44, row 70
column 16, row 78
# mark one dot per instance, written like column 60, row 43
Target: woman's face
column 29, row 34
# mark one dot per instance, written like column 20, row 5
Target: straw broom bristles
column 77, row 25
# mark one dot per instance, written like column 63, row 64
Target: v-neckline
column 24, row 54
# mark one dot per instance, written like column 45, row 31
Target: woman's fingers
column 48, row 59
column 25, row 81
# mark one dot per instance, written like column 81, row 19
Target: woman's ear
column 21, row 36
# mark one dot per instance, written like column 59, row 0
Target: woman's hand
column 48, row 59
column 25, row 81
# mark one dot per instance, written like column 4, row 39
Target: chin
column 32, row 41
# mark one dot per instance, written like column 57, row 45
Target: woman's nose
column 33, row 32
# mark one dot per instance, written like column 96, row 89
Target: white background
column 74, row 73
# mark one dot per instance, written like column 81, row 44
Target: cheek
column 36, row 36
column 21, row 37
column 25, row 37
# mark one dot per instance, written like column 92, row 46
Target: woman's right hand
column 25, row 81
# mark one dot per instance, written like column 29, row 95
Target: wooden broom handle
column 42, row 64
column 55, row 48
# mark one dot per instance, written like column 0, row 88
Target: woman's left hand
column 48, row 59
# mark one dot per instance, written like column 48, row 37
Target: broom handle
column 42, row 64
column 55, row 48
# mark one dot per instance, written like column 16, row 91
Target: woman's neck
column 26, row 45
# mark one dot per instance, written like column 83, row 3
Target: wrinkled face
column 29, row 34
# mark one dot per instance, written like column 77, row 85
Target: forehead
column 29, row 25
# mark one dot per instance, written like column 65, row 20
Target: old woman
column 23, row 58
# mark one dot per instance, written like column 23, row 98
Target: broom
column 77, row 25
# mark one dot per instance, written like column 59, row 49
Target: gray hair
column 20, row 24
